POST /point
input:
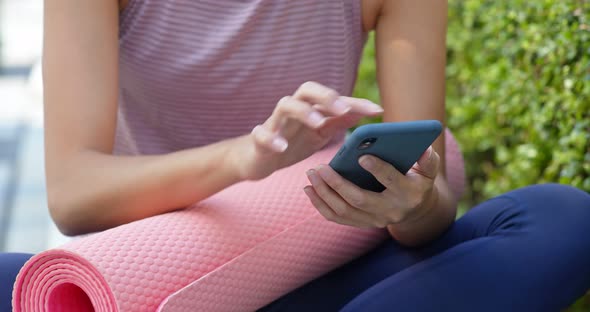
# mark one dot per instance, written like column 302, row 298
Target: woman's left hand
column 405, row 199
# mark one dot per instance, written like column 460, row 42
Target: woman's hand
column 300, row 125
column 406, row 198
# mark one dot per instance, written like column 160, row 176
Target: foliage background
column 518, row 93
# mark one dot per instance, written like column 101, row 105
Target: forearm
column 436, row 217
column 98, row 191
column 411, row 58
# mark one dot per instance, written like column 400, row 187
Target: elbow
column 66, row 214
column 61, row 214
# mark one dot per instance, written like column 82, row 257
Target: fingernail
column 367, row 162
column 429, row 154
column 280, row 144
column 316, row 119
column 306, row 190
column 341, row 107
column 372, row 106
column 313, row 178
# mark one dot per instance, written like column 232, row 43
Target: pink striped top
column 196, row 72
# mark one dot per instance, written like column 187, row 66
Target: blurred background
column 25, row 225
column 518, row 101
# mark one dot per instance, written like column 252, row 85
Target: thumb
column 428, row 163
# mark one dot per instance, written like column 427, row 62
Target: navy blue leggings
column 527, row 250
column 10, row 264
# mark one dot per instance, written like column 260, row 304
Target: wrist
column 422, row 211
column 245, row 160
column 419, row 216
column 236, row 157
column 437, row 214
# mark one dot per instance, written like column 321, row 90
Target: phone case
column 398, row 143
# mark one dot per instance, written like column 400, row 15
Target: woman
column 152, row 105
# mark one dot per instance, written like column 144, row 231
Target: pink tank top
column 196, row 72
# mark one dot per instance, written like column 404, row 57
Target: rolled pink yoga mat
column 236, row 251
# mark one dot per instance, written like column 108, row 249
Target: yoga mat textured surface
column 235, row 251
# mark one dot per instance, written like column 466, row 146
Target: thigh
column 530, row 252
column 10, row 265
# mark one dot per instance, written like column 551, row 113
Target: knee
column 557, row 204
column 558, row 196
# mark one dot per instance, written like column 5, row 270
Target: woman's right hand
column 299, row 126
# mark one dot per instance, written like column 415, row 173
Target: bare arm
column 411, row 58
column 89, row 189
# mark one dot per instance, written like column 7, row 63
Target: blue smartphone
column 399, row 143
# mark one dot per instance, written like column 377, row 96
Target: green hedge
column 518, row 92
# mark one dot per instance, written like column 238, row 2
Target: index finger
column 362, row 106
column 322, row 98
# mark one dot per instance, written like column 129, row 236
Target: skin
column 81, row 88
column 418, row 207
